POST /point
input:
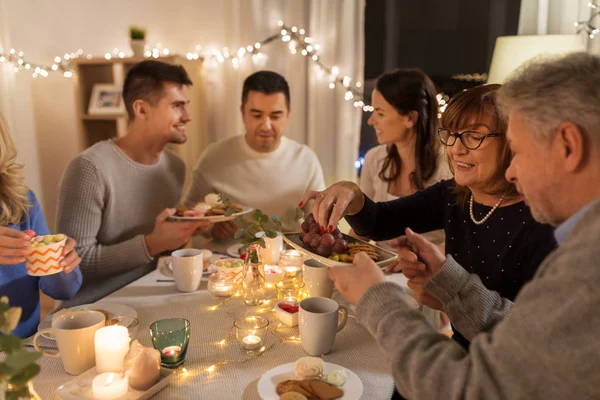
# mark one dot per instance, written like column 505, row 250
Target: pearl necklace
column 488, row 214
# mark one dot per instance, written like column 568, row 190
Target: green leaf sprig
column 19, row 365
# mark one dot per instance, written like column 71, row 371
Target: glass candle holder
column 291, row 262
column 171, row 337
column 290, row 290
column 273, row 275
column 251, row 333
column 221, row 284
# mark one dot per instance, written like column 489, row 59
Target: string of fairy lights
column 274, row 330
column 587, row 26
column 297, row 39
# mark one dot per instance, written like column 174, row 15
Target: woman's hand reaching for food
column 330, row 205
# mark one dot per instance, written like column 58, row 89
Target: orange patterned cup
column 45, row 254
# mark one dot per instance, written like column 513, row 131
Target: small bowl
column 45, row 259
column 289, row 319
column 234, row 272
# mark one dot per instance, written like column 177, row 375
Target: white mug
column 272, row 250
column 316, row 279
column 186, row 267
column 74, row 333
column 319, row 324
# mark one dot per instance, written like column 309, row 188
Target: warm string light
column 587, row 26
column 275, row 331
column 60, row 64
column 299, row 42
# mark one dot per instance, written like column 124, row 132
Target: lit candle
column 109, row 386
column 111, row 344
column 171, row 351
column 252, row 342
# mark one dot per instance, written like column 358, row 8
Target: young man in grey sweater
column 115, row 197
column 545, row 345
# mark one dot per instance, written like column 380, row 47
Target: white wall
column 42, row 112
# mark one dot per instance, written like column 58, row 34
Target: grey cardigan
column 544, row 346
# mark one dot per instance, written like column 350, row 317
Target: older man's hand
column 352, row 282
column 421, row 260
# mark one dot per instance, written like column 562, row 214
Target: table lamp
column 512, row 51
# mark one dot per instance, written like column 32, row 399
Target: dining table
column 215, row 366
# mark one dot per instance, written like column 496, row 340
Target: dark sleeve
column 422, row 212
column 538, row 241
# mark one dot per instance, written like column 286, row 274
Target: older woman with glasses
column 489, row 229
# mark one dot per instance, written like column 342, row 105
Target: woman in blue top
column 21, row 218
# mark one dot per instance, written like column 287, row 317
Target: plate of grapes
column 334, row 248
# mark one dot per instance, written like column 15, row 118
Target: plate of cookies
column 212, row 209
column 310, row 378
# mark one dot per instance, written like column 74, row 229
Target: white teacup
column 74, row 333
column 319, row 324
column 186, row 267
column 316, row 279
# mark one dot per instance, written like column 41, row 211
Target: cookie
column 292, row 396
column 181, row 209
column 292, row 386
column 324, row 390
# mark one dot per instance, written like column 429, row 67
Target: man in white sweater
column 115, row 197
column 261, row 169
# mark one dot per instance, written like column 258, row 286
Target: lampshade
column 512, row 51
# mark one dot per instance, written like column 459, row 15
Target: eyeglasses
column 470, row 139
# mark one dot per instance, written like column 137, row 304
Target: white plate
column 212, row 218
column 113, row 310
column 353, row 388
column 234, row 250
column 294, row 239
column 80, row 388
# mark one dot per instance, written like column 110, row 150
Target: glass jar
column 254, row 285
column 291, row 262
column 221, row 284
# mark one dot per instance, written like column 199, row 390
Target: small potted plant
column 137, row 36
column 19, row 365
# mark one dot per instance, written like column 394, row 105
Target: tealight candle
column 171, row 351
column 251, row 333
column 111, row 344
column 108, row 386
column 251, row 342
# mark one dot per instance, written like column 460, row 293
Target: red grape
column 314, row 228
column 315, row 241
column 306, row 237
column 305, row 225
column 310, row 219
column 340, row 246
column 327, row 240
column 324, row 251
column 337, row 234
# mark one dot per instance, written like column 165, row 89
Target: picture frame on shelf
column 106, row 99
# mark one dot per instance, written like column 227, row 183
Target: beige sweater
column 108, row 202
column 542, row 346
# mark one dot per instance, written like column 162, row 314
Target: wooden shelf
column 98, row 117
column 98, row 127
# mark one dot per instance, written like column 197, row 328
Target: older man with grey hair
column 545, row 345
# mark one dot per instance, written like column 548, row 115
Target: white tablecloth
column 354, row 347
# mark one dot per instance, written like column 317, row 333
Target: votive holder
column 251, row 333
column 291, row 262
column 221, row 284
column 290, row 290
column 171, row 337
